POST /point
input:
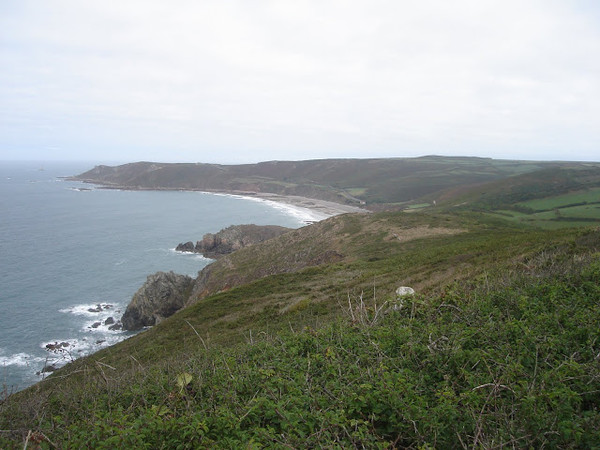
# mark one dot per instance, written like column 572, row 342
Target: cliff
column 231, row 239
column 161, row 296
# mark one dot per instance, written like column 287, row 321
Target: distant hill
column 391, row 181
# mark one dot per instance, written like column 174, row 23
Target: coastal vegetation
column 301, row 340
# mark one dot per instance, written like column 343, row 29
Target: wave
column 304, row 215
column 91, row 309
column 79, row 189
column 20, row 359
column 66, row 350
column 198, row 256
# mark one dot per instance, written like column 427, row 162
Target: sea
column 73, row 254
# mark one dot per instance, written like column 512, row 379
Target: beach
column 312, row 209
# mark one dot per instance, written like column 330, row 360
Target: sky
column 229, row 81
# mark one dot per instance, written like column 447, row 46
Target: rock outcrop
column 161, row 296
column 231, row 239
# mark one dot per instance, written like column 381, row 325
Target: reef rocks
column 161, row 296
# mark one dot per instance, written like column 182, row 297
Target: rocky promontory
column 231, row 239
column 161, row 296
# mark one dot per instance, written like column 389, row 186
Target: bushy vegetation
column 510, row 358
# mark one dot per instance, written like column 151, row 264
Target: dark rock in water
column 231, row 239
column 48, row 369
column 187, row 247
column 100, row 341
column 161, row 296
column 116, row 327
column 96, row 324
column 57, row 347
column 109, row 321
column 100, row 307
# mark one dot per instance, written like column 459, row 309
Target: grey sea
column 72, row 255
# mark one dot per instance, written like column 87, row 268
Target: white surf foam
column 20, row 359
column 91, row 309
column 305, row 215
column 198, row 256
column 79, row 347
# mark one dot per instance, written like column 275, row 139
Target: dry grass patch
column 398, row 234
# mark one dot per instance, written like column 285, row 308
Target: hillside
column 300, row 340
column 549, row 198
column 393, row 181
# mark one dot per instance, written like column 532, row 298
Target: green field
column 576, row 216
column 560, row 201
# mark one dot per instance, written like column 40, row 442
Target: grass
column 569, row 217
column 562, row 201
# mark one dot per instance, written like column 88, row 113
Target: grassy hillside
column 550, row 198
column 393, row 181
column 303, row 342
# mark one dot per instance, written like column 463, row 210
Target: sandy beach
column 319, row 209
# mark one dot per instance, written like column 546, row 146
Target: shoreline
column 316, row 209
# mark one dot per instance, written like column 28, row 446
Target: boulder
column 116, row 327
column 404, row 290
column 161, row 296
column 109, row 321
column 48, row 369
column 187, row 247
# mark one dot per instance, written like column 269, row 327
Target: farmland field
column 545, row 204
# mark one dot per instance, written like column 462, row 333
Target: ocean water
column 67, row 247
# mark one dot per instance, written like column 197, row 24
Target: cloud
column 233, row 80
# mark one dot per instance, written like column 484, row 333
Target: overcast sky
column 244, row 81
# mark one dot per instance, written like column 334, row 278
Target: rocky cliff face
column 231, row 239
column 161, row 296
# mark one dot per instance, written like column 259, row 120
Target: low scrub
column 507, row 359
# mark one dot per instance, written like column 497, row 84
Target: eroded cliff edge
column 232, row 238
column 337, row 239
column 161, row 296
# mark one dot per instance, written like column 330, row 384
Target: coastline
column 314, row 209
column 310, row 209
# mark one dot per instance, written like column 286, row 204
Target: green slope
column 498, row 348
column 556, row 197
